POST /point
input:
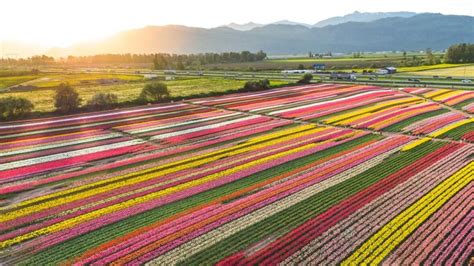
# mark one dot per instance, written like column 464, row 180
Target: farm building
column 381, row 71
column 319, row 66
column 150, row 76
column 391, row 70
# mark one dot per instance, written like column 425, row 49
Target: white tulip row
column 267, row 93
column 65, row 155
column 144, row 130
column 88, row 125
column 62, row 144
column 71, row 119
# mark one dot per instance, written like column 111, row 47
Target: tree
column 430, row 59
column 66, row 99
column 160, row 62
column 103, row 101
column 460, row 53
column 154, row 92
column 180, row 65
column 300, row 66
column 306, row 78
column 14, row 107
column 256, row 85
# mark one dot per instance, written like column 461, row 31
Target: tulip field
column 313, row 174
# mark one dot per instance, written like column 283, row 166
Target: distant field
column 6, row 82
column 42, row 99
column 464, row 71
column 54, row 80
column 366, row 62
column 46, row 80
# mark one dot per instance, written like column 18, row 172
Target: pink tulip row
column 418, row 91
column 434, row 124
column 18, row 173
column 394, row 116
column 280, row 101
column 251, row 96
column 89, row 118
column 469, row 108
column 457, row 246
column 341, row 102
column 425, row 239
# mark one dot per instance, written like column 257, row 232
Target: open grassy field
column 9, row 81
column 46, row 80
column 53, row 80
column 344, row 62
column 374, row 175
column 42, row 99
column 458, row 71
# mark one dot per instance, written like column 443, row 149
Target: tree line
column 159, row 60
column 460, row 53
column 180, row 62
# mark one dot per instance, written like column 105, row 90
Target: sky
column 64, row 22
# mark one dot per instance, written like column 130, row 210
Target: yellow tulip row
column 435, row 93
column 414, row 144
column 447, row 95
column 361, row 113
column 437, row 133
column 450, row 127
column 386, row 239
column 56, row 199
column 402, row 117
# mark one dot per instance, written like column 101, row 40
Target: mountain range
column 404, row 32
column 353, row 17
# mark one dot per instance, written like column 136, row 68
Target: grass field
column 6, row 82
column 46, row 80
column 42, row 99
column 53, row 80
column 459, row 71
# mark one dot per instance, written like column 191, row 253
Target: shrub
column 66, row 99
column 103, row 101
column 14, row 107
column 256, row 85
column 154, row 92
column 306, row 78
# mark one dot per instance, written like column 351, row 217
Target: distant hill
column 288, row 22
column 362, row 17
column 417, row 32
column 252, row 25
column 244, row 27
